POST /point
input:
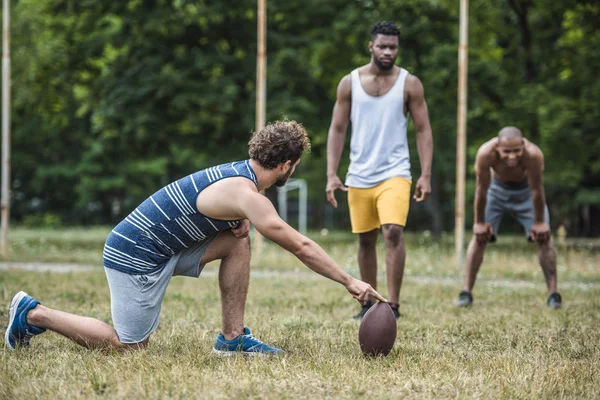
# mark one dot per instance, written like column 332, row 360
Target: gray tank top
column 378, row 147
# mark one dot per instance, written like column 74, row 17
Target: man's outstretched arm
column 261, row 213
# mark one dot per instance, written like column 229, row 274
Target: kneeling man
column 202, row 217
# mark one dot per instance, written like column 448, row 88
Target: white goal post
column 282, row 201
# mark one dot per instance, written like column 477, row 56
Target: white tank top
column 378, row 147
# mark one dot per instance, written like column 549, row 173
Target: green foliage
column 42, row 221
column 111, row 100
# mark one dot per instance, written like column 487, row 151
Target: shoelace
column 251, row 336
column 255, row 342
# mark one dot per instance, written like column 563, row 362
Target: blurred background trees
column 112, row 100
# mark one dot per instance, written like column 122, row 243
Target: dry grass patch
column 509, row 345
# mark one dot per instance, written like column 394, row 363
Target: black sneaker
column 395, row 309
column 554, row 301
column 365, row 307
column 465, row 299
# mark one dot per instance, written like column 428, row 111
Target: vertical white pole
column 302, row 200
column 261, row 67
column 461, row 134
column 261, row 89
column 5, row 202
column 282, row 202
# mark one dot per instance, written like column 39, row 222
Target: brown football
column 377, row 332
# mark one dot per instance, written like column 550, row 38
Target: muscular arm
column 238, row 198
column 261, row 213
column 484, row 178
column 339, row 125
column 535, row 176
column 420, row 116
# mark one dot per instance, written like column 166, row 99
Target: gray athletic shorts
column 514, row 199
column 136, row 300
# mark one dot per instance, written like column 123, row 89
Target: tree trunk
column 585, row 217
column 521, row 8
column 434, row 209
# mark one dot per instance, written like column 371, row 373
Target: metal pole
column 261, row 67
column 261, row 89
column 282, row 202
column 5, row 202
column 461, row 134
column 282, row 208
column 302, row 200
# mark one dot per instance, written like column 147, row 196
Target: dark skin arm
column 481, row 229
column 336, row 137
column 417, row 106
column 540, row 230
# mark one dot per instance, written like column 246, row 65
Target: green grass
column 509, row 345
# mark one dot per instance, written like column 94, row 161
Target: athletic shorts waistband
column 524, row 184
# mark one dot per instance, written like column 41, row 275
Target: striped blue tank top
column 168, row 222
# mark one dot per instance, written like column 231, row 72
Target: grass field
column 508, row 345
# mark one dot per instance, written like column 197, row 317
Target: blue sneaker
column 19, row 332
column 245, row 344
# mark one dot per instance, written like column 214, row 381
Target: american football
column 377, row 332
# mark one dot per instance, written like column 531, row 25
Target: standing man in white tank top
column 378, row 98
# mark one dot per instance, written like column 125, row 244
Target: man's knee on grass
column 112, row 344
column 117, row 344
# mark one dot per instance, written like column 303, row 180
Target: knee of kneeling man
column 116, row 342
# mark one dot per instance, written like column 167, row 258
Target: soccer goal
column 282, row 201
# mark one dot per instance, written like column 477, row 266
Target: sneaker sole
column 12, row 313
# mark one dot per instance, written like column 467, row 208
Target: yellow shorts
column 386, row 203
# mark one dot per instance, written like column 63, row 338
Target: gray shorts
column 514, row 200
column 136, row 300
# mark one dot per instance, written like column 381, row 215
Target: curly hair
column 279, row 142
column 385, row 28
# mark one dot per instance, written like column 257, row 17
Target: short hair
column 385, row 28
column 279, row 142
column 509, row 132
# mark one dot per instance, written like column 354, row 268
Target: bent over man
column 509, row 171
